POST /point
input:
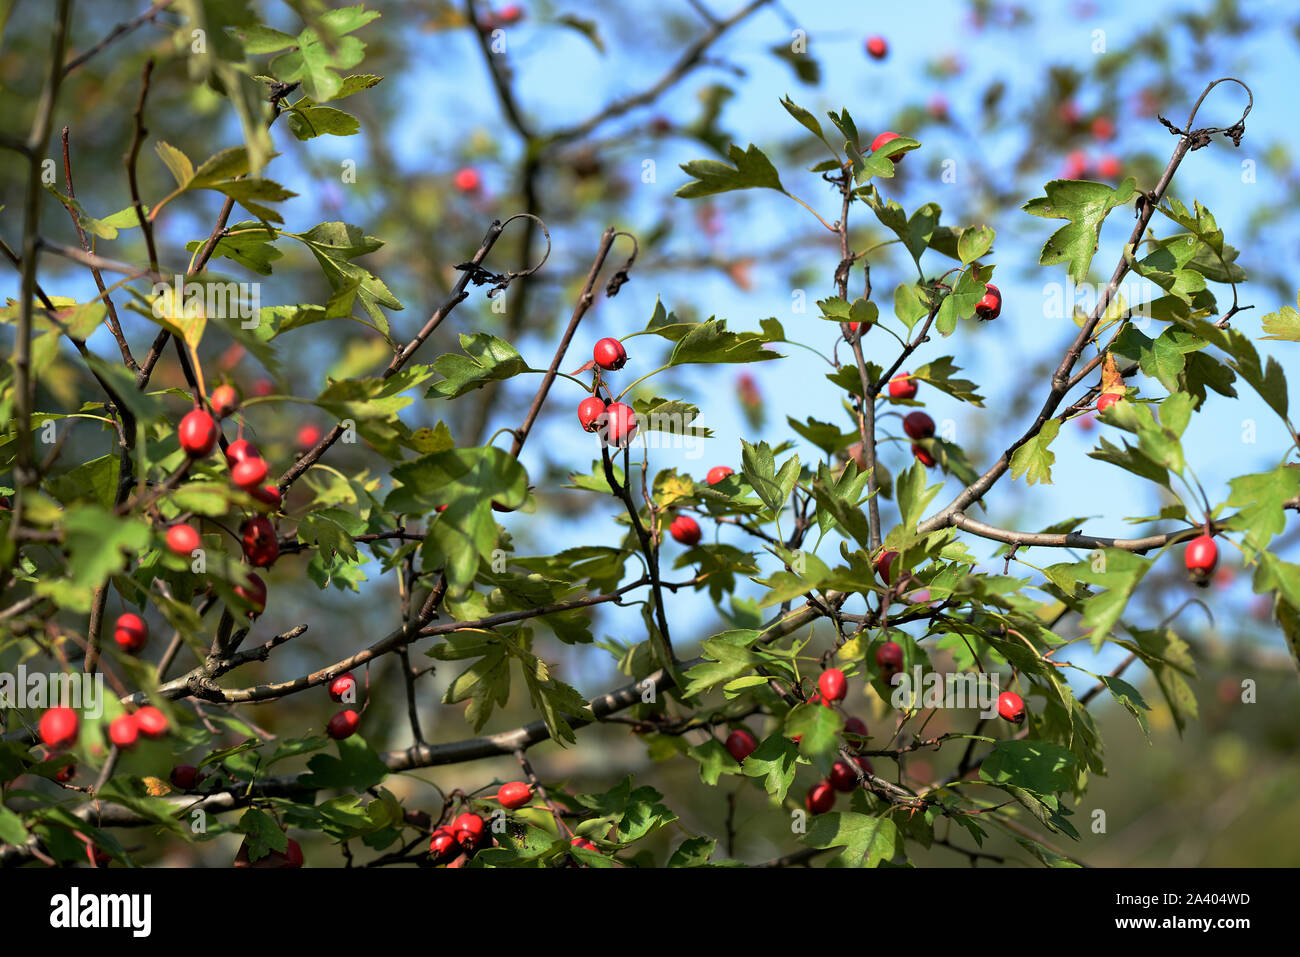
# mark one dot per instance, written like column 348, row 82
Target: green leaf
column 1040, row 767
column 1086, row 206
column 1034, row 459
column 1283, row 324
column 807, row 120
column 750, row 169
column 867, row 841
column 1260, row 499
column 974, row 242
column 758, row 465
column 773, row 761
column 710, row 342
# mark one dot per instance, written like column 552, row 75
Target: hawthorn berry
column 307, row 437
column 1103, row 128
column 1201, row 556
column 990, row 304
column 585, row 844
column 889, row 659
column 884, row 138
column 514, row 795
column 1076, row 165
column 918, row 425
column 589, row 412
column 922, row 455
column 123, row 731
column 877, row 48
column 130, row 632
column 884, row 561
column 468, row 829
column 224, row 401
column 685, row 530
column 741, row 744
column 442, row 844
column 184, row 777
column 290, row 857
column 902, row 386
column 197, row 433
column 343, row 688
column 718, row 473
column 263, row 387
column 254, row 593
column 260, row 545
column 269, row 495
column 1106, row 400
column 151, row 722
column 467, row 180
column 821, row 798
column 343, row 725
column 66, row 773
column 609, row 354
column 239, row 450
column 249, row 473
column 843, row 778
column 1011, row 707
column 183, row 539
column 58, row 727
column 1109, row 167
column 856, row 727
column 619, row 425
column 833, row 685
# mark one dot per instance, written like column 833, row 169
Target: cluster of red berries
column 345, row 723
column 615, row 421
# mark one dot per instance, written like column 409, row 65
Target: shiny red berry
column 467, row 180
column 254, row 593
column 442, row 844
column 884, row 138
column 918, row 425
column 343, row 725
column 902, row 386
column 589, row 412
column 151, row 722
column 1106, row 400
column 877, row 48
column 225, row 400
column 249, row 473
column 468, row 829
column 123, row 731
column 58, row 727
column 1201, row 557
column 183, row 539
column 514, row 795
column 821, row 798
column 990, row 305
column 197, row 433
column 833, row 685
column 260, row 545
column 843, row 778
column 685, row 530
column 884, row 562
column 239, row 450
column 619, row 425
column 609, row 354
column 889, row 659
column 184, row 777
column 923, row 456
column 741, row 744
column 343, row 688
column 718, row 473
column 130, row 632
column 1011, row 706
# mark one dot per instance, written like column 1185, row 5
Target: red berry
column 619, row 425
column 123, row 731
column 833, row 685
column 151, row 722
column 197, row 433
column 1076, row 166
column 66, row 773
column 1201, row 556
column 877, row 48
column 1103, row 128
column 589, row 412
column 884, row 561
column 741, row 744
column 343, row 688
column 902, row 386
column 843, row 778
column 821, row 798
column 514, row 795
column 467, row 180
column 269, row 495
column 290, row 857
column 239, row 450
column 855, row 726
column 1106, row 400
column 585, row 844
column 58, row 727
column 442, row 844
column 468, row 829
column 918, row 425
column 308, row 436
column 343, row 725
column 1109, row 167
column 685, row 530
column 1011, row 706
column 717, row 474
column 254, row 593
column 185, row 777
column 249, row 473
column 182, row 540
column 130, row 632
column 260, row 545
column 263, row 387
column 889, row 659
column 884, row 138
column 923, row 456
column 609, row 354
column 225, row 400
column 990, row 304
